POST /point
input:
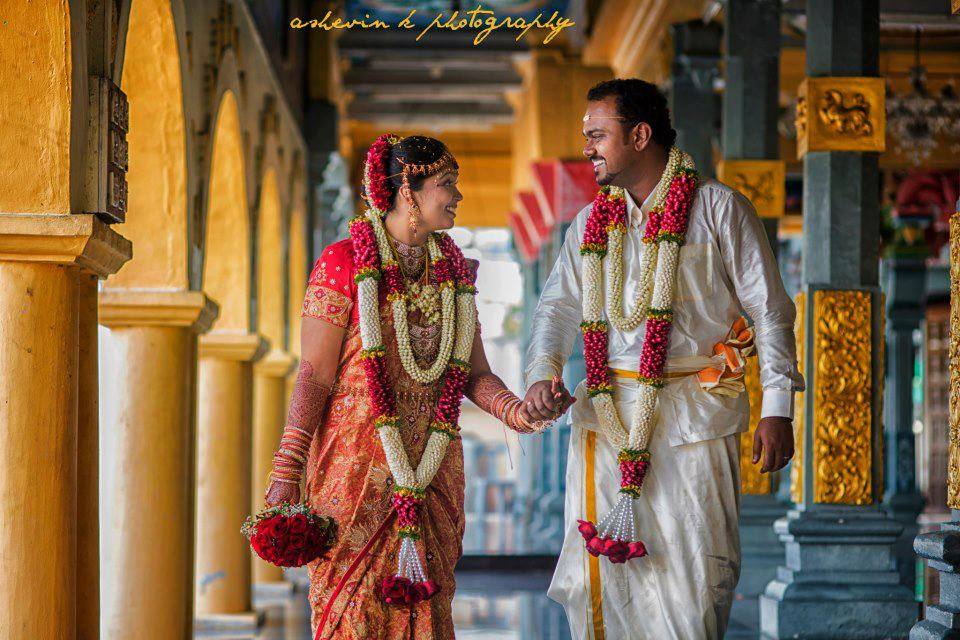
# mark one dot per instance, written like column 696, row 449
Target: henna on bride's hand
column 308, row 401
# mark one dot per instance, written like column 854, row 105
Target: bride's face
column 438, row 200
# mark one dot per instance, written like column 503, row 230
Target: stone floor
column 501, row 605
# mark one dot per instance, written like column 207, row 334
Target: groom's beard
column 607, row 178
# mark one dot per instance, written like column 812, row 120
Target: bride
column 390, row 344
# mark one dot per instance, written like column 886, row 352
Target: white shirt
column 726, row 268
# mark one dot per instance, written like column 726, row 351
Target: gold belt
column 624, row 373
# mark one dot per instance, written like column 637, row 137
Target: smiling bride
column 390, row 345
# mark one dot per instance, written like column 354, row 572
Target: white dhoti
column 687, row 516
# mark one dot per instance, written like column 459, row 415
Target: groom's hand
column 546, row 400
column 539, row 403
column 773, row 440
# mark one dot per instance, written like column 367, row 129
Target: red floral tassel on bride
column 616, row 535
column 410, row 584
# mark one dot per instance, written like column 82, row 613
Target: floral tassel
column 616, row 535
column 410, row 584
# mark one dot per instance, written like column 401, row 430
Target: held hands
column 546, row 401
column 773, row 440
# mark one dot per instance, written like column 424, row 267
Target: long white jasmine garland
column 371, row 338
column 667, row 255
column 615, row 535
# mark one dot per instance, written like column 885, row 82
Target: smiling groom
column 657, row 274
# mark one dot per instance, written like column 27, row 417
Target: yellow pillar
column 40, row 318
column 269, row 413
column 88, row 461
column 148, row 460
column 223, row 460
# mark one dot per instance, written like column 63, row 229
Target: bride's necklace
column 421, row 295
column 615, row 535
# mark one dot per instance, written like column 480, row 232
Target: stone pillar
column 694, row 106
column 840, row 577
column 45, row 426
column 751, row 164
column 269, row 413
column 148, row 445
column 941, row 549
column 904, row 285
column 223, row 589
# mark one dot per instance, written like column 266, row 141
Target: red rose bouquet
column 290, row 535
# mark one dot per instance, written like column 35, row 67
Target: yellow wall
column 157, row 206
column 35, row 95
column 297, row 273
column 226, row 269
column 270, row 307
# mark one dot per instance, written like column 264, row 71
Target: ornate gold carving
column 800, row 120
column 842, row 401
column 880, row 382
column 752, row 482
column 839, row 117
column 956, row 6
column 953, row 467
column 796, row 469
column 841, row 114
column 761, row 181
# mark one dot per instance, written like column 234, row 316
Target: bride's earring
column 413, row 216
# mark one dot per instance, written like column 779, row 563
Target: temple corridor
column 173, row 169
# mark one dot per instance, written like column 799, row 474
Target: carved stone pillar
column 941, row 548
column 752, row 166
column 840, row 578
column 904, row 285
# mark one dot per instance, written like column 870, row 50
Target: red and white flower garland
column 615, row 536
column 374, row 264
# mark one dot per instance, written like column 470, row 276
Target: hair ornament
column 375, row 172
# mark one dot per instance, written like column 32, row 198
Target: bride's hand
column 282, row 492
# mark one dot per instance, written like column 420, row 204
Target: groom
column 680, row 260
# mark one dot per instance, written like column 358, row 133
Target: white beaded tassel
column 620, row 522
column 409, row 565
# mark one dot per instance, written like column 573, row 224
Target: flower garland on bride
column 375, row 266
column 615, row 536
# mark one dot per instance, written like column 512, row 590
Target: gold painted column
column 41, row 306
column 223, row 586
column 269, row 413
column 953, row 466
column 88, row 460
column 148, row 442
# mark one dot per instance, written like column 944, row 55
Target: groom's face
column 608, row 144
